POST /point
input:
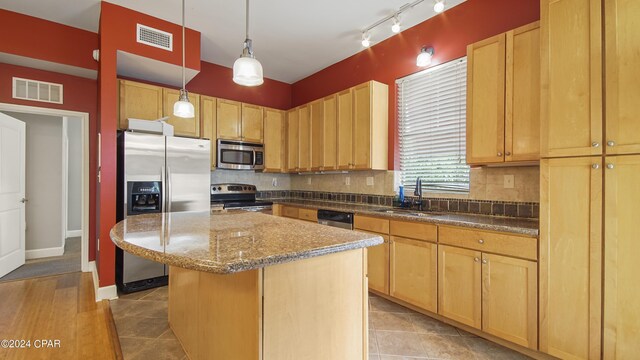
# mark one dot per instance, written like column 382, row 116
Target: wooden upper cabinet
column 293, row 126
column 414, row 272
column 370, row 126
column 345, row 129
column 316, row 110
column 522, row 98
column 139, row 101
column 510, row 299
column 571, row 77
column 304, row 138
column 459, row 285
column 570, row 257
column 229, row 120
column 252, row 123
column 329, row 132
column 208, row 109
column 274, row 139
column 485, row 100
column 622, row 39
column 621, row 290
column 182, row 126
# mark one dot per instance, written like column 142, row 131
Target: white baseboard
column 43, row 253
column 73, row 233
column 102, row 293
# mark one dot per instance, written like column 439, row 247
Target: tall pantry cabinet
column 590, row 197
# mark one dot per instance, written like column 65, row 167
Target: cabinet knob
column 484, row 261
column 481, row 241
column 595, row 166
column 595, row 144
column 499, row 154
column 611, row 143
column 476, row 259
column 508, row 153
column 610, row 166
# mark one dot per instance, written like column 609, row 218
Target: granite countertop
column 228, row 242
column 527, row 227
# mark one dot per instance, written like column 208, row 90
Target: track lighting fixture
column 424, row 58
column 366, row 39
column 396, row 25
column 438, row 7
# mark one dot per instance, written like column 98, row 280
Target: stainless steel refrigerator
column 157, row 173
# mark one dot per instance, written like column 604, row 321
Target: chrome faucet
column 418, row 192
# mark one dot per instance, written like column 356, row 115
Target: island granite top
column 230, row 242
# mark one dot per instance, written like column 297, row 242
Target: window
column 432, row 114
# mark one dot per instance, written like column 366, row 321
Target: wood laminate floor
column 62, row 308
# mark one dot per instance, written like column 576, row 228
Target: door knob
column 23, row 200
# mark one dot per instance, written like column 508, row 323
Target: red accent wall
column 448, row 33
column 80, row 94
column 46, row 40
column 217, row 80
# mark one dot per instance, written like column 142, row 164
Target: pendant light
column 183, row 108
column 247, row 71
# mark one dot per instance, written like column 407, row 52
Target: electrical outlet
column 309, row 180
column 274, row 182
column 508, row 181
column 369, row 180
column 347, row 181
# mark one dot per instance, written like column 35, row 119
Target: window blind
column 432, row 119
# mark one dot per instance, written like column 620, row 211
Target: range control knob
column 219, row 188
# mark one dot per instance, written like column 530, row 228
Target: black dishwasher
column 338, row 219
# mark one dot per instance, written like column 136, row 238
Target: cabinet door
column 293, row 126
column 252, row 121
column 621, row 292
column 329, row 132
column 208, row 110
column 139, row 101
column 317, row 132
column 345, row 129
column 304, row 138
column 228, row 120
column 571, row 78
column 510, row 299
column 182, row 126
column 274, row 140
column 378, row 266
column 485, row 100
column 362, row 126
column 622, row 32
column 414, row 269
column 459, row 285
column 570, row 257
column 522, row 108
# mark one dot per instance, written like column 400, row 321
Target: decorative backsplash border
column 485, row 207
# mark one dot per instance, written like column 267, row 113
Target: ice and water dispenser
column 145, row 197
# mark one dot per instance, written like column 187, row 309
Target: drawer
column 414, row 230
column 372, row 224
column 289, row 211
column 499, row 243
column 308, row 214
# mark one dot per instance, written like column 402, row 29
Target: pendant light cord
column 247, row 22
column 183, row 46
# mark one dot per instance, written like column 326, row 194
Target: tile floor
column 395, row 332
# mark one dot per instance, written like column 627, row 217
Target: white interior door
column 12, row 191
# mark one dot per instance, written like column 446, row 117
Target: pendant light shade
column 247, row 71
column 183, row 108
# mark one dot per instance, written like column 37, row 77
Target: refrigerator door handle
column 163, row 192
column 168, row 189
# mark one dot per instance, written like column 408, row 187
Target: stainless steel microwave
column 238, row 155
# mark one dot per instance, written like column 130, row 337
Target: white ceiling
column 292, row 38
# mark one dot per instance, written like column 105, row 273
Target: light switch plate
column 508, row 181
column 347, row 181
column 369, row 180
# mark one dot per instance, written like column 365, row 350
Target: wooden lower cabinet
column 378, row 266
column 413, row 272
column 459, row 285
column 290, row 212
column 510, row 299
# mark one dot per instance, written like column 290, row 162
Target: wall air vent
column 34, row 90
column 154, row 37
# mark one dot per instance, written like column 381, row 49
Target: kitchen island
column 246, row 285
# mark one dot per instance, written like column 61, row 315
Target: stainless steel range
column 237, row 196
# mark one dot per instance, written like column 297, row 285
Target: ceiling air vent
column 154, row 37
column 37, row 90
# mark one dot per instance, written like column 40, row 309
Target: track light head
column 366, row 39
column 396, row 25
column 438, row 7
